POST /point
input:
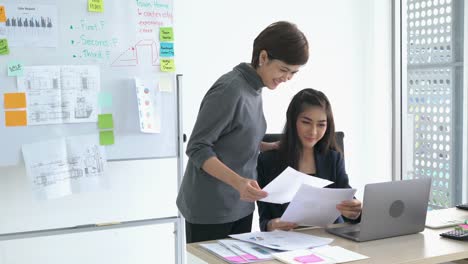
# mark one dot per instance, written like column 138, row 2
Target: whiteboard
column 123, row 42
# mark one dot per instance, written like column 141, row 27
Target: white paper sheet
column 338, row 254
column 224, row 253
column 149, row 105
column 60, row 94
column 64, row 166
column 283, row 188
column 257, row 251
column 305, row 254
column 30, row 25
column 241, row 254
column 283, row 240
column 323, row 255
column 313, row 206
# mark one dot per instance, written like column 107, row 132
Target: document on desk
column 283, row 188
column 253, row 251
column 225, row 253
column 283, row 240
column 313, row 206
column 320, row 255
column 338, row 254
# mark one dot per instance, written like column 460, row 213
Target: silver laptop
column 390, row 209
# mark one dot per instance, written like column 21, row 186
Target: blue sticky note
column 105, row 99
column 15, row 68
column 166, row 49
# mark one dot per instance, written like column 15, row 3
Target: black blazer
column 329, row 166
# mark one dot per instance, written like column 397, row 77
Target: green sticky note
column 106, row 137
column 105, row 121
column 96, row 6
column 166, row 34
column 105, row 99
column 15, row 68
column 167, row 65
column 4, row 50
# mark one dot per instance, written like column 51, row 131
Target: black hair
column 290, row 148
column 282, row 41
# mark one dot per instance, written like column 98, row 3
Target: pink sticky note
column 308, row 259
column 236, row 259
column 464, row 226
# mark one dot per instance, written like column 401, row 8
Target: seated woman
column 308, row 145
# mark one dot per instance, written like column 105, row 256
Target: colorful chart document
column 65, row 166
column 30, row 25
column 149, row 105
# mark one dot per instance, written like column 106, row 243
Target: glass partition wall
column 432, row 97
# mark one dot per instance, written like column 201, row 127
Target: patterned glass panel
column 431, row 78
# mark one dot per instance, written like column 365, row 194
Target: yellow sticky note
column 15, row 118
column 14, row 100
column 167, row 65
column 166, row 34
column 2, row 14
column 96, row 6
column 4, row 50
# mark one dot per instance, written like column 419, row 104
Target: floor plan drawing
column 60, row 94
column 65, row 166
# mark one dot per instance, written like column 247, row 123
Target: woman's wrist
column 237, row 182
column 270, row 225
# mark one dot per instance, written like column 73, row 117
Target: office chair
column 276, row 137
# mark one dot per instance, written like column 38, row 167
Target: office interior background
column 403, row 114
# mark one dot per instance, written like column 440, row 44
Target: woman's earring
column 260, row 64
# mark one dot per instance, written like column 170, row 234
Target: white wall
column 350, row 61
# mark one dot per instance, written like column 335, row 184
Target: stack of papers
column 283, row 188
column 235, row 251
column 262, row 246
column 313, row 206
column 310, row 203
column 321, row 255
column 283, row 240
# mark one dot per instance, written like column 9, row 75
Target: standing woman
column 219, row 185
column 307, row 145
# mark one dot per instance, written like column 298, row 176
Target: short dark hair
column 290, row 145
column 282, row 41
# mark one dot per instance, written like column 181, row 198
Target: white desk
column 426, row 247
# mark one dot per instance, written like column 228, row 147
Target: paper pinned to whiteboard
column 65, row 166
column 30, row 25
column 61, row 94
column 149, row 105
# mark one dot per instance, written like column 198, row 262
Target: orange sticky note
column 15, row 118
column 2, row 14
column 14, row 100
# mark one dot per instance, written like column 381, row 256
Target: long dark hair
column 290, row 148
column 283, row 41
